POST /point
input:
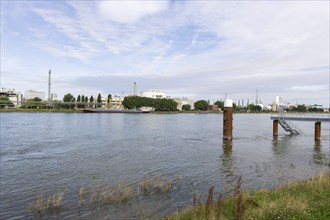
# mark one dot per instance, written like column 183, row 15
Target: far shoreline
column 80, row 110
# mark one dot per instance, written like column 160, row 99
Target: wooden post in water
column 317, row 131
column 228, row 120
column 275, row 128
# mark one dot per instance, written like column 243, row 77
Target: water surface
column 44, row 153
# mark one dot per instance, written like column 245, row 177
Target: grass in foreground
column 298, row 200
column 43, row 204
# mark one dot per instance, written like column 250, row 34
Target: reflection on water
column 49, row 153
column 281, row 145
column 228, row 161
column 319, row 157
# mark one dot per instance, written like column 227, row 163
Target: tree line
column 136, row 102
column 303, row 108
column 83, row 101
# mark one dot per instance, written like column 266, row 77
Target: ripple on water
column 64, row 152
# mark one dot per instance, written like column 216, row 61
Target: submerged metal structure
column 283, row 120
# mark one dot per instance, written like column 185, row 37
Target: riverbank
column 308, row 199
column 79, row 110
column 42, row 110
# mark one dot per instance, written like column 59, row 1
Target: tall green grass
column 296, row 200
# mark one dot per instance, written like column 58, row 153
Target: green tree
column 91, row 101
column 69, row 100
column 4, row 98
column 235, row 107
column 165, row 104
column 57, row 104
column 82, row 102
column 220, row 104
column 315, row 109
column 254, row 108
column 5, row 102
column 135, row 102
column 36, row 99
column 201, row 105
column 301, row 108
column 35, row 102
column 129, row 102
column 99, row 101
column 186, row 107
column 79, row 105
column 109, row 100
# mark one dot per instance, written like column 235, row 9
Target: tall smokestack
column 49, row 85
column 257, row 97
column 134, row 88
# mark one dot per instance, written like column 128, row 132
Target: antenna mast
column 257, row 97
column 134, row 88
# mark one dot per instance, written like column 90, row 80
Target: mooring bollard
column 275, row 128
column 228, row 120
column 317, row 131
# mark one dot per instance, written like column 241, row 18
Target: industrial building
column 53, row 97
column 155, row 94
column 276, row 103
column 14, row 96
column 30, row 94
column 185, row 101
column 116, row 102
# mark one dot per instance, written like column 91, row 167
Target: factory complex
column 18, row 99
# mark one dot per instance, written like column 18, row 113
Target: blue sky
column 199, row 49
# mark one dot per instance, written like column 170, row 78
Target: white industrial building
column 116, row 102
column 53, row 97
column 184, row 101
column 14, row 96
column 276, row 103
column 155, row 94
column 30, row 94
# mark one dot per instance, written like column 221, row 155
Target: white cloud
column 309, row 88
column 206, row 45
column 130, row 11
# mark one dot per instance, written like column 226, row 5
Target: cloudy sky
column 198, row 49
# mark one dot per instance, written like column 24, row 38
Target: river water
column 46, row 153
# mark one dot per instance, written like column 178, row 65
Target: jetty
column 285, row 121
